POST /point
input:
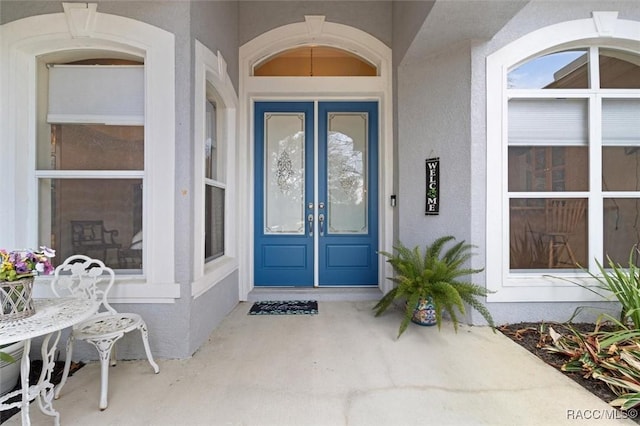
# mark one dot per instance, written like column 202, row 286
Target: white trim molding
column 211, row 69
column 81, row 18
column 604, row 29
column 315, row 30
column 82, row 29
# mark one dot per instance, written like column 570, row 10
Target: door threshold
column 324, row 294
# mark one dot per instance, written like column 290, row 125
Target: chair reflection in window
column 561, row 218
column 91, row 238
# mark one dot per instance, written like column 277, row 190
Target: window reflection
column 548, row 233
column 548, row 168
column 214, row 222
column 619, row 70
column 568, row 69
column 621, row 228
column 93, row 147
column 115, row 203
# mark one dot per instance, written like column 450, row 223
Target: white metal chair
column 82, row 276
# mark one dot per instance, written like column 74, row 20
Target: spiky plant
column 433, row 274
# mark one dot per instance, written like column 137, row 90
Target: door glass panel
column 284, row 173
column 347, row 173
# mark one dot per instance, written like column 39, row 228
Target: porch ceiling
column 452, row 21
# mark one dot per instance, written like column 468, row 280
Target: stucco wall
column 215, row 24
column 433, row 121
column 208, row 310
column 258, row 17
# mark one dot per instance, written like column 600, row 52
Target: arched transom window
column 314, row 61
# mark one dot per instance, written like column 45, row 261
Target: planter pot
column 424, row 313
column 15, row 299
column 10, row 371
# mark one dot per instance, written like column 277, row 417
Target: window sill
column 542, row 289
column 125, row 290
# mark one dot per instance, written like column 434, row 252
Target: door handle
column 310, row 221
column 321, row 223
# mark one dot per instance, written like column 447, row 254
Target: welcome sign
column 433, row 186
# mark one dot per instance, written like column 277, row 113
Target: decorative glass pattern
column 347, row 172
column 284, row 173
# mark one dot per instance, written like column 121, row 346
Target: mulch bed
column 528, row 335
column 34, row 375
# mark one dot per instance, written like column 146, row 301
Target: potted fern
column 433, row 278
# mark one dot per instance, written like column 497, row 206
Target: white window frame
column 604, row 30
column 81, row 27
column 211, row 70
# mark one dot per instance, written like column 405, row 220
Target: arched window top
column 569, row 69
column 314, row 61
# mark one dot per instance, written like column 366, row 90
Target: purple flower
column 18, row 264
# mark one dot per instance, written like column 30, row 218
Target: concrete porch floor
column 340, row 367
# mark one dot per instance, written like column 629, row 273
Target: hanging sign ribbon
column 433, row 186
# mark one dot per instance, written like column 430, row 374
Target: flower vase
column 424, row 312
column 16, row 300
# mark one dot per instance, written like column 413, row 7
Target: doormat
column 285, row 307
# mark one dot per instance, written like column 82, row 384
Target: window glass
column 548, row 148
column 549, row 144
column 548, row 168
column 621, row 143
column 315, row 61
column 214, row 207
column 211, row 143
column 621, row 232
column 619, row 69
column 100, row 218
column 548, row 233
column 93, row 147
column 548, row 122
column 214, row 223
column 560, row 70
column 90, row 190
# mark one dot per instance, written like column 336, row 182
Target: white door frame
column 314, row 30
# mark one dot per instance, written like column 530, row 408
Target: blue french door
column 316, row 219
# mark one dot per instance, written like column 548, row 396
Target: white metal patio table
column 51, row 317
